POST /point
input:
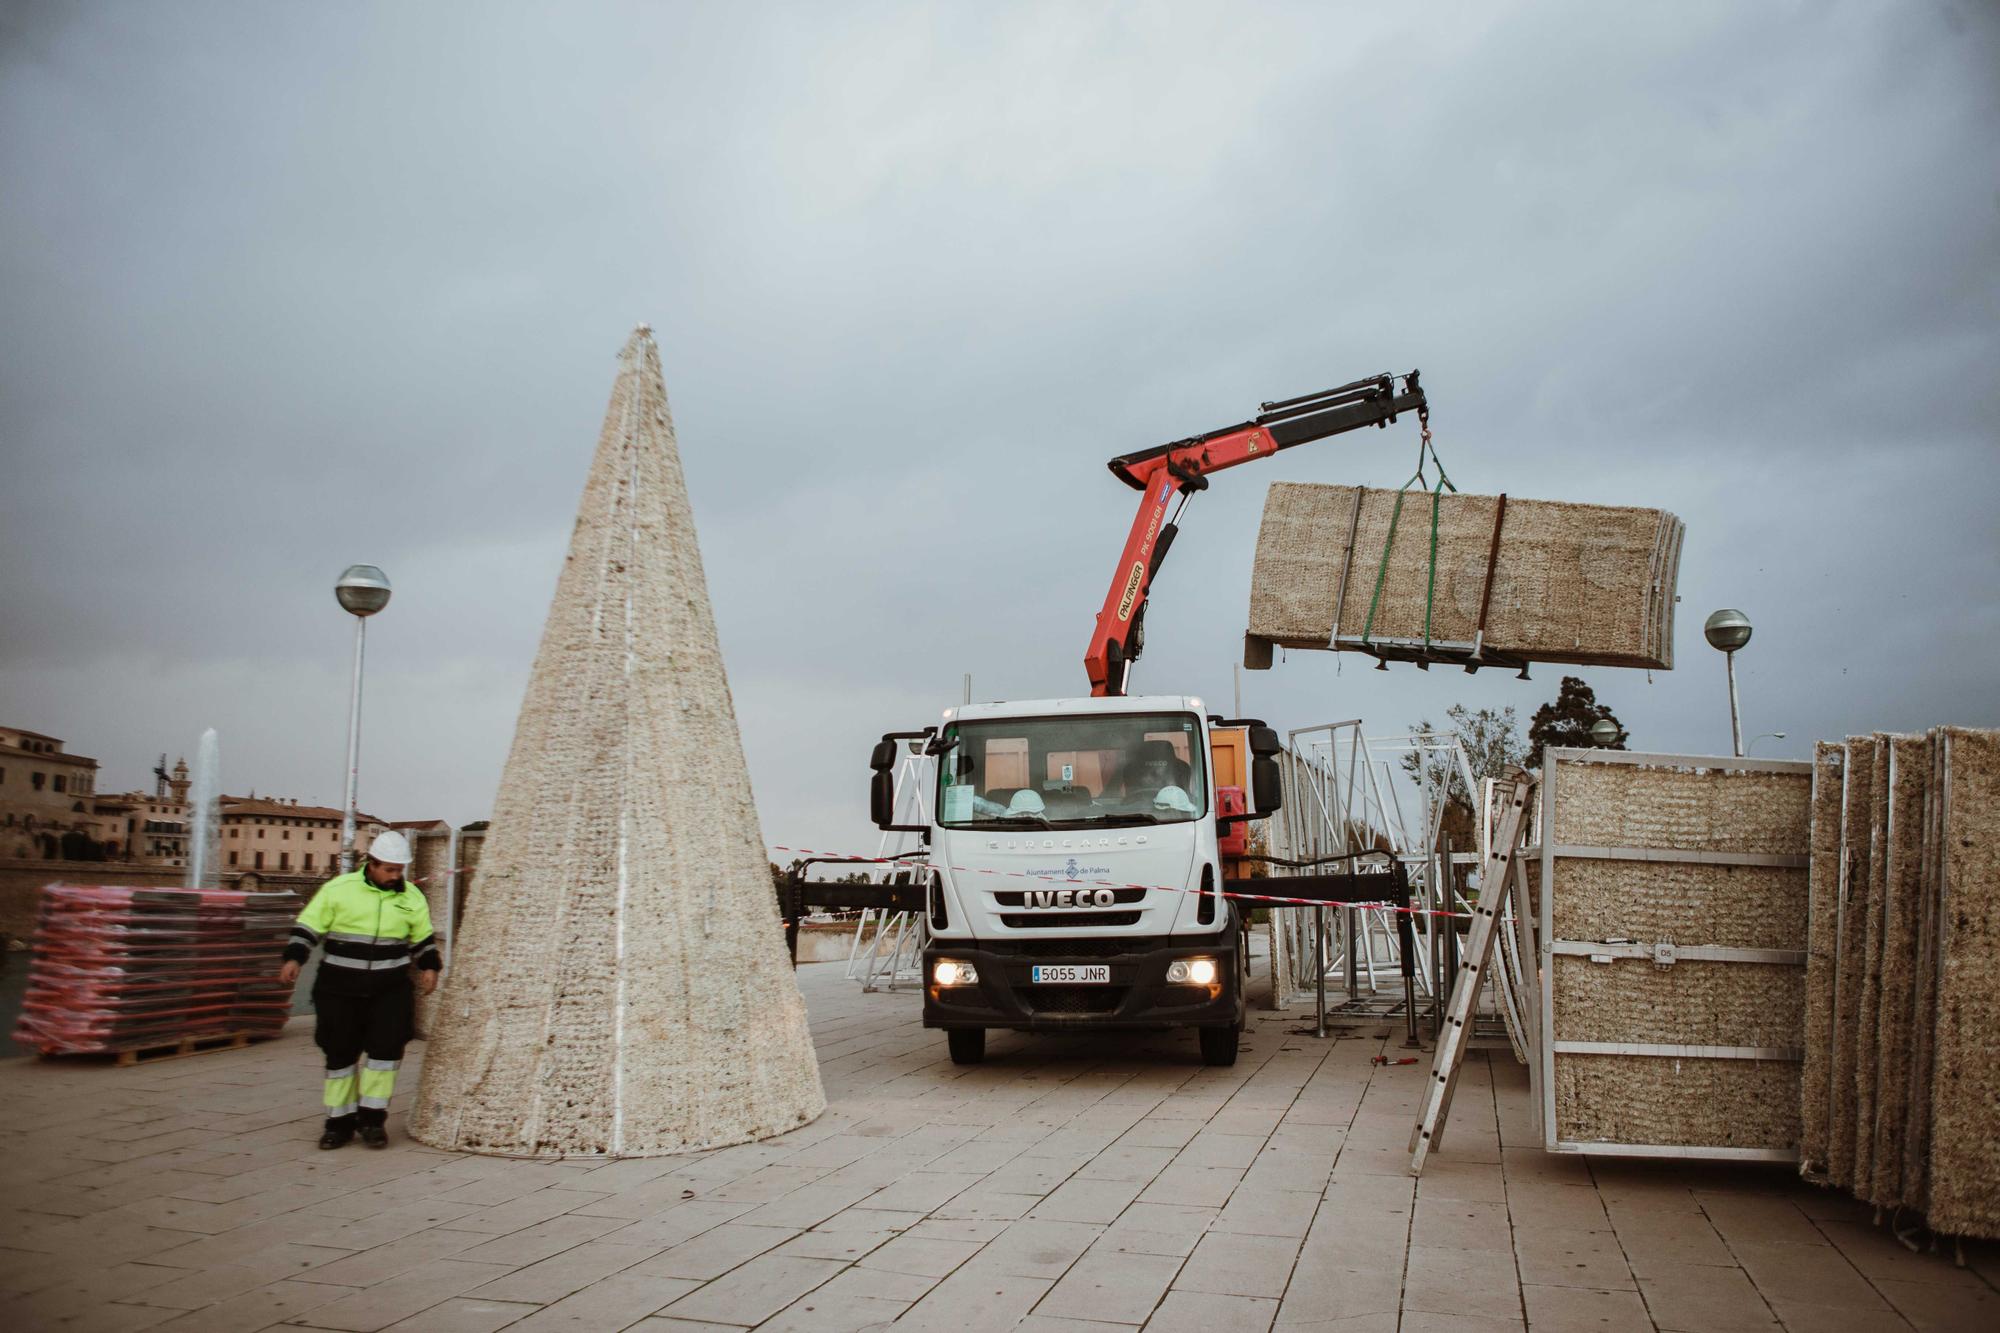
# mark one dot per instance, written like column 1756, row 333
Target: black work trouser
column 362, row 1037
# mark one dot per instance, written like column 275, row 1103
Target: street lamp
column 1606, row 733
column 362, row 591
column 1728, row 630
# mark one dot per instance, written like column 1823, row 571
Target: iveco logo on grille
column 1069, row 898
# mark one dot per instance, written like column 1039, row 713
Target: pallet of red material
column 146, row 972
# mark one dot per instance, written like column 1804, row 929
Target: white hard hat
column 391, row 847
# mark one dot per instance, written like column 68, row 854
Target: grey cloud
column 295, row 286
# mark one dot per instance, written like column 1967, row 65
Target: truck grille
column 1061, row 920
column 1072, row 999
column 1041, row 952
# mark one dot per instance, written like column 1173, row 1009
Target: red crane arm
column 1181, row 468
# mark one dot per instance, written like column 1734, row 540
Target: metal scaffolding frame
column 888, row 947
column 1346, row 793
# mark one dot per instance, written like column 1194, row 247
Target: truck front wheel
column 1218, row 1045
column 968, row 1045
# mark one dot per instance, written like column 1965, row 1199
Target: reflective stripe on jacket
column 364, row 928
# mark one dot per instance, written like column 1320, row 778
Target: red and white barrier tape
column 1064, row 880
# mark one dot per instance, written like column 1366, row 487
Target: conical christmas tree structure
column 620, row 985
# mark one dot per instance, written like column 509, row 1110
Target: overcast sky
column 288, row 286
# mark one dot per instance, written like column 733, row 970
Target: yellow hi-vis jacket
column 371, row 935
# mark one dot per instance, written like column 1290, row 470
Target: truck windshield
column 1073, row 772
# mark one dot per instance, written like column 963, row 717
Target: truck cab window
column 1073, row 772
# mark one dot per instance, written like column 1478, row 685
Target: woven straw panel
column 1678, row 805
column 1867, row 1030
column 1743, row 907
column 1693, row 1002
column 1689, row 1103
column 1901, row 885
column 1965, row 1097
column 1681, row 807
column 1856, row 812
column 1821, row 937
column 620, row 985
column 1571, row 583
column 1923, row 1037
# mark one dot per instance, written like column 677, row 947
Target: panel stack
column 117, row 968
column 1754, row 959
column 1464, row 578
column 1901, row 1086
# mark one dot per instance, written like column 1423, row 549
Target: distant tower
column 178, row 784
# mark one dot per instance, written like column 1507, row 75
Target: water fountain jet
column 204, row 816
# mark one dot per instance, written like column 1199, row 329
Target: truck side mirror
column 1267, row 791
column 882, row 787
column 882, row 796
column 1264, row 740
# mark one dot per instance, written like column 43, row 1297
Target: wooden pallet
column 171, row 1050
column 186, row 1046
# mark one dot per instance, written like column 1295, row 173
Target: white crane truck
column 1077, row 862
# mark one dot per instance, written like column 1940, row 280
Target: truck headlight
column 1192, row 972
column 952, row 972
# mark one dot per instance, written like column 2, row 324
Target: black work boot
column 336, row 1138
column 375, row 1136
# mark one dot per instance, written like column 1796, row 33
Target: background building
column 147, row 828
column 281, row 837
column 46, row 797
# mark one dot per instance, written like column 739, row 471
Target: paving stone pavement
column 1068, row 1184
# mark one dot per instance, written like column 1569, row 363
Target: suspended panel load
column 1493, row 581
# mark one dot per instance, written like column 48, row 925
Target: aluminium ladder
column 1497, row 878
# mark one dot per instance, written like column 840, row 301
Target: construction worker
column 374, row 927
column 1151, row 765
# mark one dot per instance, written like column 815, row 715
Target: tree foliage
column 1492, row 742
column 1567, row 719
column 780, row 874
